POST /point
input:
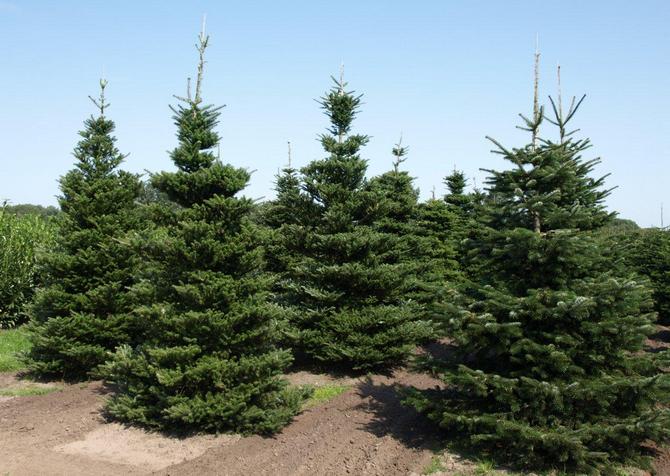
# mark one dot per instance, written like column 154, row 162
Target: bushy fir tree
column 426, row 253
column 347, row 290
column 290, row 207
column 82, row 312
column 550, row 370
column 209, row 361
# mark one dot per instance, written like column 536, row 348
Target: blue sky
column 445, row 73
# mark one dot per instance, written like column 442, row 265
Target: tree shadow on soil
column 663, row 335
column 658, row 342
column 392, row 418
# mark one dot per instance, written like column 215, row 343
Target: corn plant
column 21, row 240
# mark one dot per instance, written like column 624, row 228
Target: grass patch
column 324, row 393
column 27, row 391
column 435, row 466
column 12, row 342
column 484, row 468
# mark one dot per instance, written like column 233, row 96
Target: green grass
column 484, row 467
column 323, row 394
column 12, row 342
column 435, row 466
column 28, row 391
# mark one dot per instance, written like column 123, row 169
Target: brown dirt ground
column 364, row 431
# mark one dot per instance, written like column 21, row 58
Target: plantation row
column 195, row 301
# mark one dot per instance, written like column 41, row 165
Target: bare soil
column 364, row 431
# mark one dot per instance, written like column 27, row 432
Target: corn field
column 21, row 240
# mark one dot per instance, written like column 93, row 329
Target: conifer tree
column 425, row 251
column 456, row 183
column 289, row 207
column 209, row 361
column 288, row 195
column 82, row 311
column 550, row 371
column 346, row 291
column 463, row 206
column 647, row 252
column 396, row 194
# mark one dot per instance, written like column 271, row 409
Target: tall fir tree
column 346, row 290
column 428, row 256
column 550, row 371
column 82, row 312
column 209, row 362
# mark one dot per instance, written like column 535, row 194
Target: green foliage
column 22, row 238
column 209, row 360
column 550, row 370
column 13, row 343
column 347, row 279
column 82, row 311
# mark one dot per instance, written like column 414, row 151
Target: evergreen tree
column 209, row 361
column 347, row 290
column 457, row 198
column 288, row 197
column 424, row 246
column 396, row 195
column 550, row 370
column 647, row 252
column 463, row 205
column 82, row 311
column 289, row 207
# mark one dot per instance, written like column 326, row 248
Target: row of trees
column 194, row 301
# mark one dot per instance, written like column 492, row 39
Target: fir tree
column 346, row 290
column 289, row 207
column 209, row 361
column 396, row 195
column 550, row 371
column 457, row 198
column 647, row 252
column 82, row 311
column 424, row 246
column 281, row 210
column 464, row 206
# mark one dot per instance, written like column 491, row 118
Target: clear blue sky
column 445, row 73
